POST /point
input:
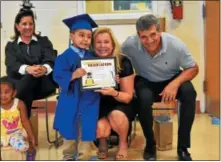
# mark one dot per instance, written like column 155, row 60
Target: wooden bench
column 160, row 108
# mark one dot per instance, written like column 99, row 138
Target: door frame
column 205, row 56
column 202, row 63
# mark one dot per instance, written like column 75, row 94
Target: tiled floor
column 205, row 143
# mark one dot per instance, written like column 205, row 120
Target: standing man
column 158, row 59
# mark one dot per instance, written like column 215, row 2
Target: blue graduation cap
column 83, row 21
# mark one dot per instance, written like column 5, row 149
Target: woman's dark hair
column 23, row 12
column 8, row 81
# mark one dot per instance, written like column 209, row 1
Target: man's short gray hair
column 145, row 21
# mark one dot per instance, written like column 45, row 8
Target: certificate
column 101, row 73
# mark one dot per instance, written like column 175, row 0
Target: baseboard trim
column 40, row 106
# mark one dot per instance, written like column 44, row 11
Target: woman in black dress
column 116, row 111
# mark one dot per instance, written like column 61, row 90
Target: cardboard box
column 163, row 133
column 34, row 122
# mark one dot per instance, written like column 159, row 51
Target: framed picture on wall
column 138, row 5
column 117, row 9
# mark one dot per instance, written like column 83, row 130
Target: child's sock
column 84, row 150
column 69, row 149
column 84, row 146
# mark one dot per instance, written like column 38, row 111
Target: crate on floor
column 163, row 132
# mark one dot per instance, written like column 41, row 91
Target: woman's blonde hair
column 116, row 47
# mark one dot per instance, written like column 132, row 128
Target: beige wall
column 49, row 22
column 50, row 14
column 189, row 29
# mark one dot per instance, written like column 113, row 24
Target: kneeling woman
column 116, row 110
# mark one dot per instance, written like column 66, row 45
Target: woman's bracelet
column 117, row 94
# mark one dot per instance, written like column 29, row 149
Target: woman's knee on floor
column 103, row 128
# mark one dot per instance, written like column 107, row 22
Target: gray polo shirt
column 173, row 56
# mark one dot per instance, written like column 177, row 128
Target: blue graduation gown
column 72, row 101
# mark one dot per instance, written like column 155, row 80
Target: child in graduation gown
column 75, row 105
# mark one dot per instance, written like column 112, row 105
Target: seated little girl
column 14, row 121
